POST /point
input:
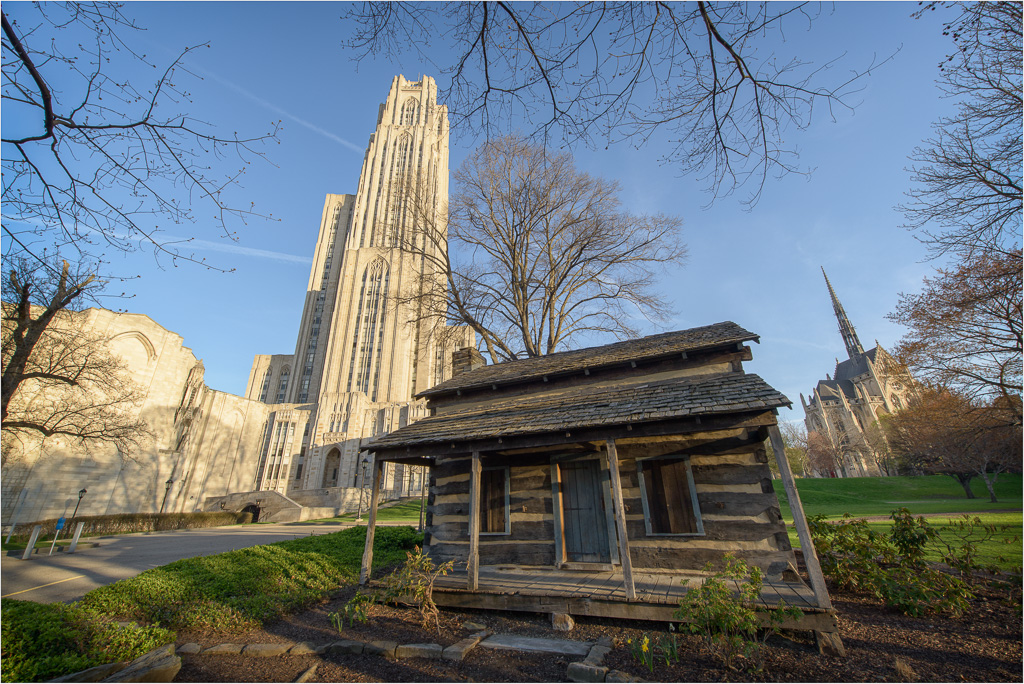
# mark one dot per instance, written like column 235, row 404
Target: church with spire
column 843, row 409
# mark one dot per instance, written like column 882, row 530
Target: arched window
column 409, row 111
column 265, row 390
column 283, row 386
column 895, row 401
column 367, row 347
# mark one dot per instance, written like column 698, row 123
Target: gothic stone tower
column 359, row 356
column 845, row 407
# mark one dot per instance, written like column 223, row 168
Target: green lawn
column 408, row 512
column 865, row 496
column 879, row 496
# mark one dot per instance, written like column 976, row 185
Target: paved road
column 68, row 577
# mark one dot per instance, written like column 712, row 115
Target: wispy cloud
column 274, row 108
column 232, row 248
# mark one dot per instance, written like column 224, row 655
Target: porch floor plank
column 652, row 588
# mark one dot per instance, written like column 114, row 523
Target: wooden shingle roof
column 589, row 406
column 560, row 363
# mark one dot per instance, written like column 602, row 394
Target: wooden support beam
column 620, row 521
column 473, row 563
column 364, row 571
column 800, row 520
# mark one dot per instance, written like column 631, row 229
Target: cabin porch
column 603, row 593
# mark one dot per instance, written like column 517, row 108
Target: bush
column 892, row 566
column 128, row 523
column 45, row 641
column 728, row 622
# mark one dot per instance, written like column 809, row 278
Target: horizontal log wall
column 530, row 512
column 739, row 509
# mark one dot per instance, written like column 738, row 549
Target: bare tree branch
column 533, row 253
column 622, row 71
column 100, row 160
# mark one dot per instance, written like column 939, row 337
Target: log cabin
column 597, row 481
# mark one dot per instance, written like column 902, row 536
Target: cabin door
column 584, row 521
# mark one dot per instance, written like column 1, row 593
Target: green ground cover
column 237, row 589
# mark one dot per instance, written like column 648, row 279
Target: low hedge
column 127, row 523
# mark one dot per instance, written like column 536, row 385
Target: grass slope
column 867, row 496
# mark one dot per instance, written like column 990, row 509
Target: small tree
column 533, row 253
column 59, row 378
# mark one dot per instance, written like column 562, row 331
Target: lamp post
column 81, row 492
column 167, row 490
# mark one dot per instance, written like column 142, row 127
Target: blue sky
column 759, row 268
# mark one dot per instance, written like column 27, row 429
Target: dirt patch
column 882, row 645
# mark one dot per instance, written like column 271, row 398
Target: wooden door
column 584, row 522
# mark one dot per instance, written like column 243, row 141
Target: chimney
column 466, row 359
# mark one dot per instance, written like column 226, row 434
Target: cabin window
column 494, row 517
column 669, row 496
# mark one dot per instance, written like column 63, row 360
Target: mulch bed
column 882, row 645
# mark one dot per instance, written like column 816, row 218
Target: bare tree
column 824, row 454
column 60, row 379
column 967, row 196
column 794, row 440
column 89, row 160
column 965, row 328
column 623, row 71
column 946, row 433
column 532, row 252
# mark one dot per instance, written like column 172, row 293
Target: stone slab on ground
column 344, row 646
column 306, row 675
column 418, row 651
column 224, row 649
column 159, row 665
column 266, row 650
column 512, row 642
column 459, row 649
column 303, row 648
column 582, row 672
column 190, row 648
column 384, row 648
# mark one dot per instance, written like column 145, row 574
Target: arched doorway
column 332, row 468
column 255, row 510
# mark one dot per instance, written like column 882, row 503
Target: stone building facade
column 359, row 356
column 844, row 408
column 205, row 442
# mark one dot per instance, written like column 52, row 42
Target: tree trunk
column 990, row 484
column 965, row 482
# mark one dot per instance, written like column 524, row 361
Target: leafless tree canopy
column 706, row 73
column 90, row 161
column 538, row 253
column 60, row 379
column 965, row 328
column 967, row 196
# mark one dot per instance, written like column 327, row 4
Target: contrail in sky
column 232, row 248
column 274, row 108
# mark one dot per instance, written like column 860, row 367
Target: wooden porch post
column 371, row 525
column 802, row 531
column 620, row 520
column 473, row 563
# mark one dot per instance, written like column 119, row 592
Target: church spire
column 850, row 339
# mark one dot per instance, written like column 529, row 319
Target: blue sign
column 60, row 524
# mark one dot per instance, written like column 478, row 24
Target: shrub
column 892, row 566
column 728, row 622
column 45, row 641
column 414, row 580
